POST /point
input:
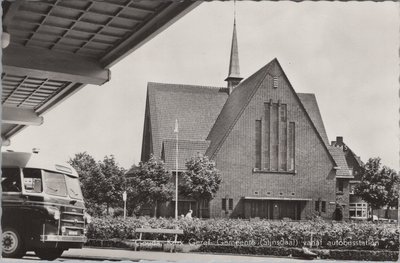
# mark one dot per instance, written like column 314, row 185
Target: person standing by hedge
column 189, row 214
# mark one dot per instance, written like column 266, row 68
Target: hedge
column 260, row 233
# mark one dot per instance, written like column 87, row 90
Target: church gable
column 233, row 108
column 273, row 126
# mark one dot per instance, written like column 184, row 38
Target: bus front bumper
column 58, row 238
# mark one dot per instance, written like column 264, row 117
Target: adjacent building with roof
column 268, row 141
column 358, row 208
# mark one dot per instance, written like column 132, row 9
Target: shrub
column 94, row 209
column 118, row 212
column 261, row 233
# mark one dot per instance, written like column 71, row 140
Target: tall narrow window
column 274, row 137
column 230, row 205
column 267, row 136
column 283, row 114
column 316, row 206
column 323, row 207
column 340, row 185
column 291, row 145
column 257, row 145
column 283, row 138
column 223, row 203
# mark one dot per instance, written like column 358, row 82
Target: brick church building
column 267, row 140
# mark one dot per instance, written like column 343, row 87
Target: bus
column 43, row 206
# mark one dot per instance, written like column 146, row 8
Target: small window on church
column 257, row 144
column 323, row 206
column 275, row 82
column 316, row 208
column 223, row 204
column 230, row 204
column 283, row 113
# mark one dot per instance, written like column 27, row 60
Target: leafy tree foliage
column 102, row 183
column 92, row 181
column 151, row 184
column 115, row 181
column 201, row 180
column 379, row 186
column 392, row 186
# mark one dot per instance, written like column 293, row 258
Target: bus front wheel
column 48, row 253
column 12, row 246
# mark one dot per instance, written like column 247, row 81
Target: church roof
column 207, row 113
column 310, row 104
column 186, row 150
column 195, row 107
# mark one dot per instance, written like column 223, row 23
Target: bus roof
column 34, row 160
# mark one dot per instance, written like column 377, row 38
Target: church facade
column 268, row 142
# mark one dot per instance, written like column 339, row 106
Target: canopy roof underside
column 59, row 46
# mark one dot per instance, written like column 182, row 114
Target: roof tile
column 195, row 107
column 186, row 150
column 310, row 104
column 339, row 157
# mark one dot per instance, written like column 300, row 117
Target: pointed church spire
column 234, row 78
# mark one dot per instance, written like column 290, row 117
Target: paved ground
column 104, row 255
column 144, row 256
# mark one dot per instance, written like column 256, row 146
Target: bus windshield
column 74, row 189
column 55, row 183
column 62, row 185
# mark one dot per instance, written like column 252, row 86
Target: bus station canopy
column 58, row 46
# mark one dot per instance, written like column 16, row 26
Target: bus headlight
column 87, row 217
column 53, row 211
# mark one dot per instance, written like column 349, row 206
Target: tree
column 115, row 181
column 92, row 181
column 102, row 182
column 392, row 187
column 151, row 183
column 379, row 186
column 201, row 180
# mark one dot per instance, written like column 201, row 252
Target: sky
column 344, row 53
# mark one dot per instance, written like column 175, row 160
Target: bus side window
column 10, row 180
column 32, row 180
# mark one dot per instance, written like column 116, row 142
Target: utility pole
column 176, row 131
column 124, row 195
